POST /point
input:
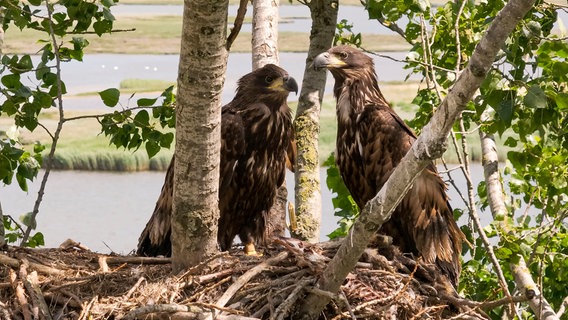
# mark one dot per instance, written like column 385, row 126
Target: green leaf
column 511, row 142
column 9, row 108
column 107, row 3
column 146, row 102
column 505, row 111
column 108, row 15
column 535, row 98
column 11, row 81
column 110, row 97
column 562, row 101
column 25, row 64
column 36, row 240
column 54, row 91
column 142, row 118
column 22, row 182
column 28, row 221
column 152, row 148
column 102, row 27
column 167, row 139
column 43, row 99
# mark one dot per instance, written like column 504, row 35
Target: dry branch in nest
column 79, row 284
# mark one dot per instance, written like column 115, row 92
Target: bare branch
column 238, row 23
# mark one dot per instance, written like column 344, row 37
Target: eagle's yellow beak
column 287, row 84
column 326, row 60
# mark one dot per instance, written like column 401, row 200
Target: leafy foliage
column 14, row 232
column 130, row 130
column 30, row 86
column 525, row 96
column 344, row 205
column 345, row 34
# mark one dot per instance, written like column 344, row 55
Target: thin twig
column 134, row 288
column 86, row 308
column 49, row 164
column 238, row 23
column 246, row 277
column 139, row 313
column 284, row 308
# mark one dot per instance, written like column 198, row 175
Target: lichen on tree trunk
column 307, row 175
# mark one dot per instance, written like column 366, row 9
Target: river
column 106, row 211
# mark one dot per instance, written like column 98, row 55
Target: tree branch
column 521, row 274
column 238, row 23
column 429, row 145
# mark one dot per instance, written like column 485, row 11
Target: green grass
column 161, row 34
column 144, row 85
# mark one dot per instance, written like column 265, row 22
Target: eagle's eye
column 343, row 55
column 268, row 79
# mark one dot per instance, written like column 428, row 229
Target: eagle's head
column 269, row 82
column 344, row 62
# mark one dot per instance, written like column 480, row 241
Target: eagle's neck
column 355, row 89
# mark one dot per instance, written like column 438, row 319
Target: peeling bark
column 495, row 197
column 307, row 175
column 429, row 145
column 201, row 75
column 264, row 33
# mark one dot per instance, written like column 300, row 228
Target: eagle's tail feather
column 155, row 238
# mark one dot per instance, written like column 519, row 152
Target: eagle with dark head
column 257, row 142
column 371, row 141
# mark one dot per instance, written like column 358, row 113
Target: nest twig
column 78, row 284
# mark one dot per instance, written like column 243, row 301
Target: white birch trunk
column 495, row 196
column 201, row 75
column 264, row 33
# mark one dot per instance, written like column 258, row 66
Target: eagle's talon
column 250, row 250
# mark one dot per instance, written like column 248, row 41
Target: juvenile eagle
column 256, row 135
column 371, row 141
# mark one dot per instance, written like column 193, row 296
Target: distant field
column 161, row 35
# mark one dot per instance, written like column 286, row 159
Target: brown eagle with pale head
column 371, row 141
column 256, row 145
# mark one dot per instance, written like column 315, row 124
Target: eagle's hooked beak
column 290, row 84
column 326, row 60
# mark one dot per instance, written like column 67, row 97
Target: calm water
column 107, row 211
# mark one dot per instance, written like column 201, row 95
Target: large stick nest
column 79, row 284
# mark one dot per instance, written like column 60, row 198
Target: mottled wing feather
column 423, row 223
column 233, row 146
